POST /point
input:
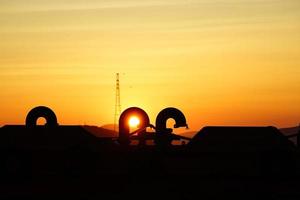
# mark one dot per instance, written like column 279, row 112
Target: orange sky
column 222, row 62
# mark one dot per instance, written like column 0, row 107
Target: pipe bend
column 41, row 111
column 167, row 113
column 124, row 129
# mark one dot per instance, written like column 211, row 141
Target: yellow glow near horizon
column 134, row 122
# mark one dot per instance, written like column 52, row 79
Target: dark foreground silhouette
column 56, row 161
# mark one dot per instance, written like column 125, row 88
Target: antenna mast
column 117, row 103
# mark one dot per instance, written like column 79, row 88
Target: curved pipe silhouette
column 124, row 129
column 41, row 111
column 161, row 124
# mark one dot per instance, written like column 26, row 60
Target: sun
column 134, row 121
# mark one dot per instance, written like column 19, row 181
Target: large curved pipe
column 41, row 111
column 124, row 129
column 161, row 124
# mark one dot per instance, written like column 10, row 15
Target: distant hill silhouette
column 290, row 131
column 107, row 130
column 188, row 134
column 110, row 127
column 103, row 131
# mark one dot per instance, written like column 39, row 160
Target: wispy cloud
column 67, row 5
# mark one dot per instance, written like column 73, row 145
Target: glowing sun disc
column 134, row 121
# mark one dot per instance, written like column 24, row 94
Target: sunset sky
column 222, row 62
